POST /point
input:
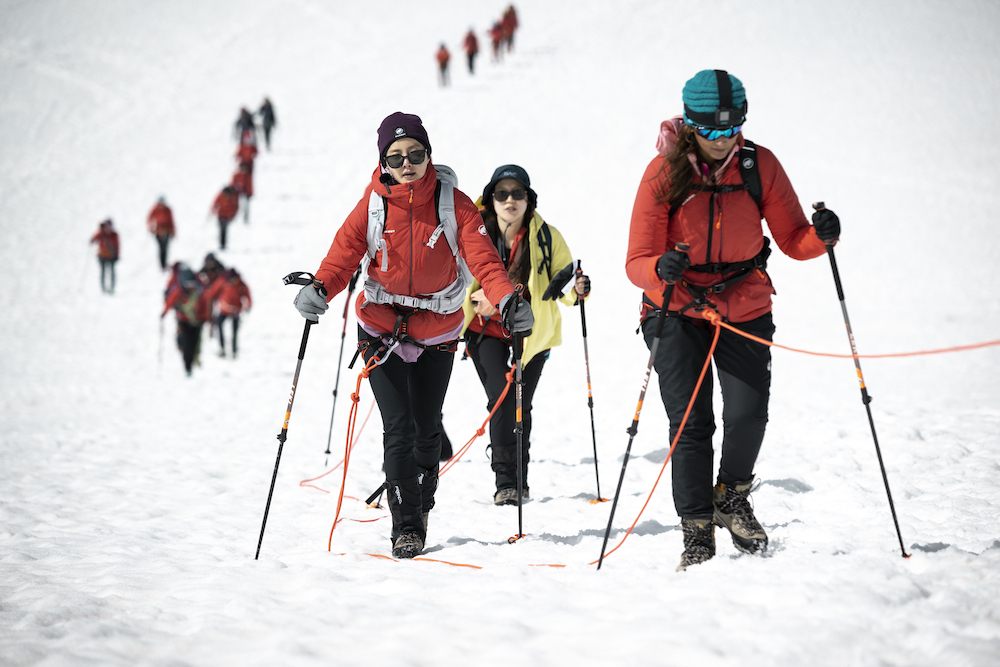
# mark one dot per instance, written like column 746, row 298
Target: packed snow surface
column 131, row 496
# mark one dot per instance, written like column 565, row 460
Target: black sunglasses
column 518, row 194
column 415, row 158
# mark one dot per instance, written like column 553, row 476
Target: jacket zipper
column 711, row 222
column 411, row 239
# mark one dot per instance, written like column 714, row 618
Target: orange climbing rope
column 673, row 445
column 351, row 420
column 357, row 435
column 450, row 463
column 714, row 318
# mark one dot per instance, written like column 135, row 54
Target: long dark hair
column 520, row 267
column 677, row 172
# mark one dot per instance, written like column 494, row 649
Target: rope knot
column 712, row 316
column 355, row 397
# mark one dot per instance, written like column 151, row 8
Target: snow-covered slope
column 131, row 496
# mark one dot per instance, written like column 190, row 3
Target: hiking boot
column 508, row 496
column 407, row 545
column 505, row 497
column 734, row 513
column 699, row 542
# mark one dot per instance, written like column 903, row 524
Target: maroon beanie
column 399, row 125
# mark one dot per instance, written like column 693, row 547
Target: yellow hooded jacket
column 547, row 331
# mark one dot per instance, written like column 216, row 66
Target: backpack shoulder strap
column 544, row 238
column 750, row 171
column 378, row 210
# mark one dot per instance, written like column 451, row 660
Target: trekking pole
column 340, row 360
column 634, row 428
column 865, row 397
column 297, row 278
column 517, row 340
column 554, row 291
column 590, row 395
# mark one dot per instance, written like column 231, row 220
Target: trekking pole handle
column 304, row 278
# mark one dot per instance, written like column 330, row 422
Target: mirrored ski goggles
column 415, row 158
column 713, row 133
column 518, row 194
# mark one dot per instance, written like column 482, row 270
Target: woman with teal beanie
column 696, row 224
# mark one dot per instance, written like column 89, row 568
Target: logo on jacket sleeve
column 482, row 229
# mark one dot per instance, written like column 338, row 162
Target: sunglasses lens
column 518, row 194
column 712, row 133
column 415, row 158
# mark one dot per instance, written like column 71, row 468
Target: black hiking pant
column 236, row 327
column 107, row 269
column 189, row 336
column 410, row 396
column 223, row 223
column 492, row 358
column 163, row 242
column 744, row 369
column 472, row 62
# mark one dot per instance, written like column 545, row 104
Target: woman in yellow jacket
column 533, row 251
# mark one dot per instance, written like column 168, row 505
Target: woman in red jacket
column 106, row 239
column 225, row 206
column 233, row 296
column 696, row 226
column 410, row 311
column 160, row 224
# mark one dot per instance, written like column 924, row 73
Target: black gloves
column 671, row 265
column 827, row 225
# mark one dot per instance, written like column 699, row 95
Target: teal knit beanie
column 714, row 98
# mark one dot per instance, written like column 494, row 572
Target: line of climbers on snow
column 214, row 294
column 423, row 294
column 501, row 36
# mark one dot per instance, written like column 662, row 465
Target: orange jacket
column 107, row 244
column 471, row 43
column 232, row 294
column 414, row 269
column 227, row 204
column 161, row 220
column 735, row 232
column 443, row 57
column 243, row 183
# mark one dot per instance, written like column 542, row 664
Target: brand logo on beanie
column 748, row 163
column 509, row 174
column 400, row 131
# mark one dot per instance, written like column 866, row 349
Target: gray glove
column 311, row 302
column 517, row 315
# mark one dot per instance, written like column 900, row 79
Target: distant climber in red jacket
column 106, row 239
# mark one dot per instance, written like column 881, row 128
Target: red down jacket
column 735, row 234
column 414, row 269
